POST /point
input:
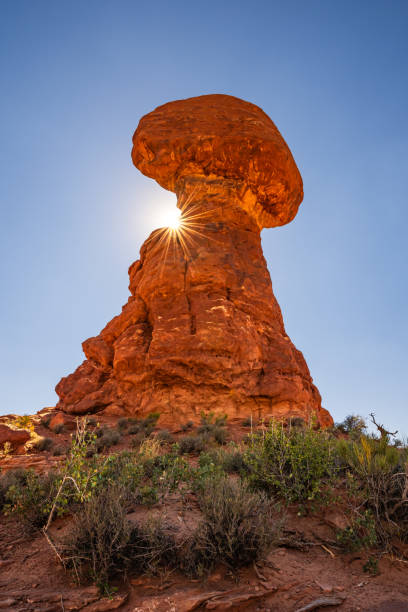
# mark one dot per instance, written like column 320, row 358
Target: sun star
column 172, row 219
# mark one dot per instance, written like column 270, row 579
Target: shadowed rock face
column 202, row 329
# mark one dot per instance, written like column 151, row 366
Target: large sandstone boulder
column 16, row 438
column 202, row 330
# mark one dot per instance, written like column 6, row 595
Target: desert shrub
column 237, row 527
column 370, row 456
column 247, row 422
column 143, row 426
column 360, row 534
column 230, row 459
column 212, row 427
column 151, row 547
column 121, row 469
column 43, row 444
column 12, row 477
column 59, row 450
column 149, row 449
column 192, row 444
column 97, row 543
column 103, row 542
column 187, row 426
column 371, row 566
column 296, row 465
column 149, row 423
column 219, row 434
column 123, row 424
column 5, row 449
column 153, row 417
column 168, row 473
column 31, row 497
column 164, row 436
column 209, row 422
column 353, row 425
column 135, row 429
column 58, row 428
column 45, row 421
column 137, row 439
column 296, row 422
column 233, row 461
column 109, row 438
column 24, row 422
column 381, row 472
column 208, row 470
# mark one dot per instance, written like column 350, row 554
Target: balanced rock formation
column 202, row 330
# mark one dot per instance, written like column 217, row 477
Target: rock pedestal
column 202, row 330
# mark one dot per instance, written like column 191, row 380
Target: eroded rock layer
column 202, row 330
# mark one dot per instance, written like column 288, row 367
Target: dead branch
column 384, row 433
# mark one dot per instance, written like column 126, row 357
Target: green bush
column 360, row 534
column 237, row 527
column 295, row 465
column 219, row 433
column 192, row 444
column 14, row 478
column 353, row 425
column 233, row 462
column 381, row 471
column 31, row 497
column 230, row 459
column 122, row 469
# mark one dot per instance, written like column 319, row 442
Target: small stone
column 6, row 603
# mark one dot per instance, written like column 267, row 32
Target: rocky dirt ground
column 297, row 575
column 306, row 571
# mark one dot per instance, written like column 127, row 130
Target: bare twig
column 258, row 573
column 328, row 550
column 384, row 433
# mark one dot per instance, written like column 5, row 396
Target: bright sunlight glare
column 171, row 218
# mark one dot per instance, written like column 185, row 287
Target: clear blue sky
column 75, row 79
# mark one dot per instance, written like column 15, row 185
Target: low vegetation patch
column 298, row 465
column 237, row 528
column 233, row 487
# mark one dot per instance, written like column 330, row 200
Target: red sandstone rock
column 16, row 437
column 202, row 329
column 61, row 419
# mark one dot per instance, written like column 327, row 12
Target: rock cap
column 220, row 136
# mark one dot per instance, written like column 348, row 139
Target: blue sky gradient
column 75, row 79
